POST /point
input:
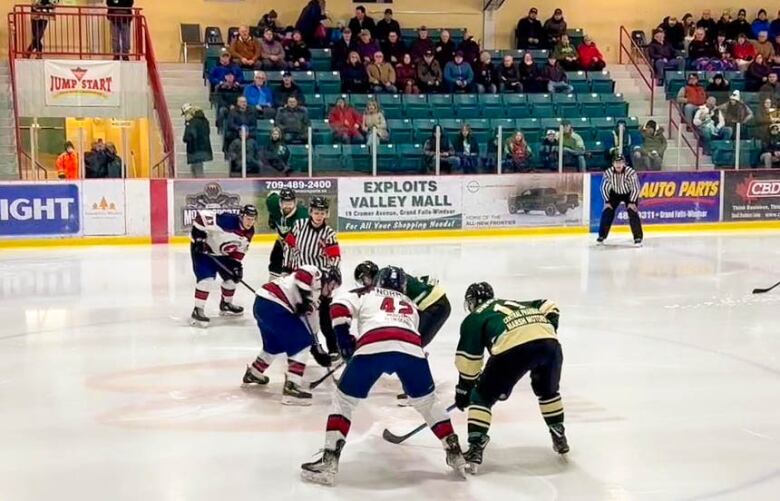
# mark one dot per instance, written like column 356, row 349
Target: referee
column 311, row 241
column 620, row 185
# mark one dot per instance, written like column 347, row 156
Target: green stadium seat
column 416, row 106
column 566, row 105
column 440, row 104
column 451, row 126
column 583, row 127
column 539, row 98
column 329, row 82
column 492, row 105
column 481, row 129
column 603, row 123
column 400, row 130
column 578, row 80
column 329, row 100
column 531, row 127
column 631, row 122
column 457, row 35
column 265, row 126
column 306, row 81
column 249, row 76
column 723, row 153
column 321, row 59
column 357, row 158
column 519, row 111
column 327, row 157
column 390, row 102
column 539, row 55
column 506, row 124
column 410, row 157
column 615, row 105
column 465, row 104
column 598, row 158
column 601, row 82
column 388, row 157
column 517, row 54
column 591, row 105
column 359, row 101
column 495, row 55
column 299, row 157
column 423, row 127
column 544, row 110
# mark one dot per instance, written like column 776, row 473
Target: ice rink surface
column 671, row 379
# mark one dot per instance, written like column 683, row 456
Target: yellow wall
column 138, row 159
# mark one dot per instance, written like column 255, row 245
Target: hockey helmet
column 308, row 278
column 366, row 272
column 393, row 278
column 477, row 294
column 319, row 202
column 287, row 195
column 331, row 274
column 248, row 210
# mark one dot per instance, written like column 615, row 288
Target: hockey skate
column 254, row 377
column 199, row 318
column 473, row 456
column 558, row 434
column 455, row 458
column 600, row 241
column 230, row 310
column 323, row 471
column 637, row 242
column 292, row 394
column 402, row 400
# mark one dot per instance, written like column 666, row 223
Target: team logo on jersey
column 231, row 247
column 212, row 198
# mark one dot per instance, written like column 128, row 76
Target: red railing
column 679, row 126
column 67, row 32
column 636, row 55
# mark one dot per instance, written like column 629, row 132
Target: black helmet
column 477, row 294
column 248, row 210
column 287, row 195
column 331, row 274
column 393, row 278
column 318, row 202
column 366, row 272
column 618, row 158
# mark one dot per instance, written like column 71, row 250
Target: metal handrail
column 160, row 103
column 37, row 165
column 636, row 49
column 673, row 105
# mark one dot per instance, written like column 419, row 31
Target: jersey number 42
column 388, row 306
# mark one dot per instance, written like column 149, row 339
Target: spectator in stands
column 225, row 66
column 429, row 74
column 691, row 97
column 566, row 54
column 286, row 89
column 530, row 32
column 298, row 54
column 722, row 46
column 362, row 22
column 674, row 33
column 96, row 161
column 445, row 49
column 554, row 28
column 294, row 121
column 246, row 50
column 757, row 74
column 394, row 48
column 700, row 50
column 449, row 162
column 770, row 88
column 735, row 111
column 612, row 142
column 197, row 137
column 724, row 23
column 740, row 25
column 120, row 14
column 650, row 156
column 663, row 56
column 386, row 26
column 549, row 150
column 760, row 23
column 236, row 152
column 530, row 77
column 345, row 122
column 67, row 163
column 342, row 50
column 573, row 147
column 40, row 14
column 242, row 115
column 374, row 120
column 590, row 57
column 776, row 46
column 310, row 23
column 367, row 47
column 485, row 75
column 743, row 51
column 774, row 27
column 557, row 81
column 766, row 115
column 260, row 97
column 269, row 21
column 518, row 154
column 276, row 154
column 718, row 83
column 711, row 124
column 689, row 26
column 273, row 51
column 470, row 48
column 406, row 75
column 226, row 94
column 509, row 76
column 113, row 162
column 422, row 45
column 466, row 149
column 764, row 47
column 381, row 75
column 708, row 24
column 770, row 150
column 458, row 75
column 354, row 77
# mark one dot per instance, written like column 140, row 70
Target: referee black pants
column 608, row 216
column 326, row 325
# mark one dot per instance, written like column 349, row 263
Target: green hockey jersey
column 279, row 222
column 424, row 291
column 500, row 325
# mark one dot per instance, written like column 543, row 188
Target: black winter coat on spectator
column 755, row 75
column 674, row 35
column 395, row 50
column 197, row 138
column 96, row 164
column 529, row 28
column 485, row 74
column 508, row 75
column 420, row 47
column 554, row 29
column 530, row 77
column 698, row 49
column 282, row 93
column 120, row 6
column 237, row 119
column 738, row 26
column 383, row 28
column 656, row 51
column 710, row 27
column 309, row 20
column 470, row 50
column 445, row 52
column 354, row 78
column 340, row 52
column 297, row 51
column 367, row 24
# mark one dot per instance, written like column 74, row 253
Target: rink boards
column 161, row 211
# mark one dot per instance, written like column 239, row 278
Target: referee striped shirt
column 622, row 183
column 313, row 246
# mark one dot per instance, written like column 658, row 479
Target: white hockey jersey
column 387, row 321
column 223, row 233
column 286, row 291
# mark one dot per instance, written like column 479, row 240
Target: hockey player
column 520, row 337
column 222, row 239
column 620, row 185
column 283, row 212
column 285, row 310
column 388, row 342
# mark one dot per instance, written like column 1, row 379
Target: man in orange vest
column 692, row 96
column 68, row 163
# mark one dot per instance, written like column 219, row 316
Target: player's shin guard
column 293, row 393
column 552, row 409
column 255, row 372
column 202, row 289
column 228, row 291
column 436, row 417
column 340, row 419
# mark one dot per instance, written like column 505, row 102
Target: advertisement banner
column 400, row 204
column 751, row 196
column 228, row 195
column 81, row 83
column 516, row 200
column 39, row 209
column 104, row 207
column 666, row 198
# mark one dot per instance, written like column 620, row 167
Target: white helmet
column 308, row 278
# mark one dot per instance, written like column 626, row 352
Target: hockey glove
column 200, row 246
column 237, row 270
column 463, row 393
column 345, row 340
column 320, row 355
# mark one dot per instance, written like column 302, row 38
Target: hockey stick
column 396, row 439
column 226, row 270
column 319, row 381
column 761, row 291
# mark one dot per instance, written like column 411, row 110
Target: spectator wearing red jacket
column 590, row 56
column 345, row 122
column 743, row 51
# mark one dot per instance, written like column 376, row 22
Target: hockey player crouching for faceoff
column 620, row 185
column 425, row 292
column 283, row 212
column 520, row 337
column 222, row 239
column 388, row 342
column 286, row 314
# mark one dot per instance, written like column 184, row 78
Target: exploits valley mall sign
column 82, row 83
